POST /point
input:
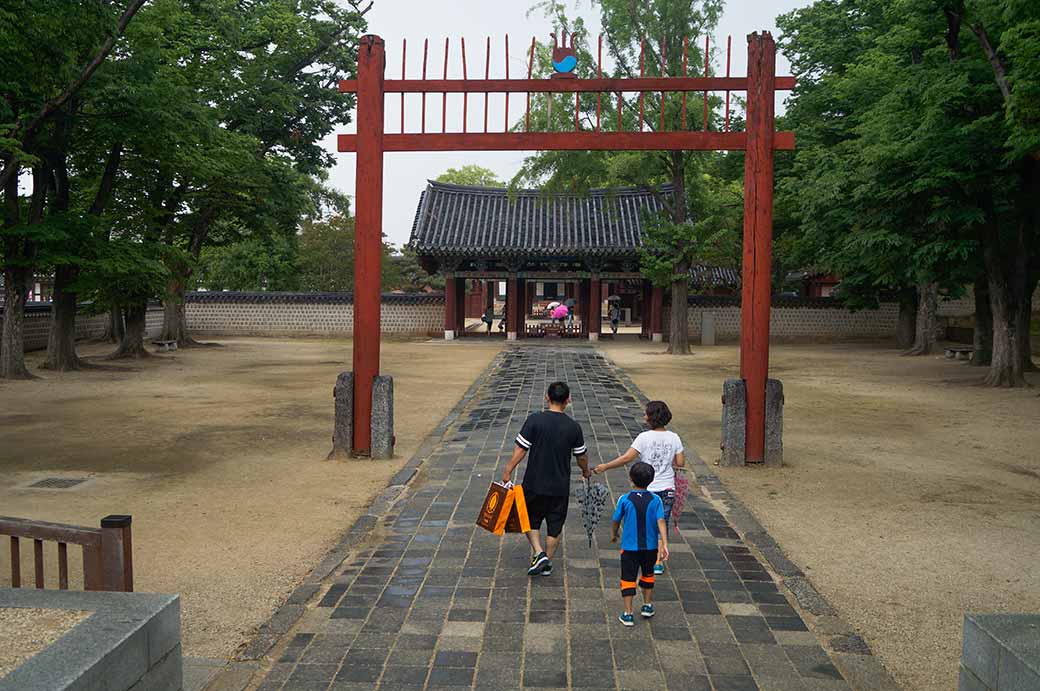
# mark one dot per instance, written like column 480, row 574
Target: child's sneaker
column 538, row 562
column 626, row 619
column 658, row 569
column 647, row 611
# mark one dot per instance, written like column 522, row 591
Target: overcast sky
column 405, row 174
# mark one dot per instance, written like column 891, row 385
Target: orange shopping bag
column 504, row 510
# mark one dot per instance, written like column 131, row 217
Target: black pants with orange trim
column 637, row 564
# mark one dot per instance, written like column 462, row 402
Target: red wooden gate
column 759, row 140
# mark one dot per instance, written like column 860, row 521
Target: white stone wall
column 212, row 318
column 801, row 323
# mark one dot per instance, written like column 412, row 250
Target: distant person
column 489, row 318
column 615, row 317
column 552, row 437
column 644, row 542
column 663, row 450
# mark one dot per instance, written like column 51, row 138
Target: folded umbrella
column 592, row 497
column 682, row 488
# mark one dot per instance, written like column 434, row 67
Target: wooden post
column 583, row 306
column 758, row 239
column 461, row 297
column 451, row 304
column 595, row 306
column 657, row 314
column 117, row 554
column 368, row 234
column 521, row 307
column 513, row 300
column 644, row 316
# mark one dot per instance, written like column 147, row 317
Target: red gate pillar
column 657, row 314
column 368, row 234
column 758, row 239
column 461, row 293
column 595, row 307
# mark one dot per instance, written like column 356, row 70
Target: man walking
column 551, row 437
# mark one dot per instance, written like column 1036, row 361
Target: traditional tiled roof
column 704, row 276
column 468, row 222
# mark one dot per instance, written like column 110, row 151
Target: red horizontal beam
column 480, row 86
column 569, row 141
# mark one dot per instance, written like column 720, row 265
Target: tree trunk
column 1024, row 343
column 1006, row 367
column 982, row 340
column 679, row 338
column 132, row 345
column 927, row 307
column 12, row 341
column 906, row 325
column 61, row 343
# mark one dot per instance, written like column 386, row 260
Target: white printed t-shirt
column 659, row 449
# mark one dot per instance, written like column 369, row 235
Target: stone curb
column 850, row 652
column 286, row 616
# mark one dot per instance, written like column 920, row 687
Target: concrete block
column 980, row 653
column 164, row 632
column 966, row 681
column 166, row 675
column 343, row 422
column 1002, row 651
column 383, row 417
column 734, row 410
column 707, row 329
column 774, row 423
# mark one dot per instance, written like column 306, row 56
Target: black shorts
column 553, row 510
column 632, row 563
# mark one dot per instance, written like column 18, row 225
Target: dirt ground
column 218, row 454
column 910, row 494
column 27, row 631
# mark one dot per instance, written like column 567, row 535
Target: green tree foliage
column 250, row 264
column 471, row 174
column 917, row 160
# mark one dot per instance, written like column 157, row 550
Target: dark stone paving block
column 350, row 613
column 407, row 657
column 812, row 661
column 451, row 658
column 332, row 596
column 373, row 641
column 700, row 607
column 750, row 629
column 723, row 659
column 538, row 678
column 670, row 633
column 313, row 673
column 498, row 678
column 370, row 657
column 546, row 617
column 595, row 678
column 730, row 683
column 416, row 641
column 634, row 654
column 794, row 623
column 358, row 673
column 768, row 598
column 404, row 675
column 451, row 676
column 467, row 615
column 686, row 682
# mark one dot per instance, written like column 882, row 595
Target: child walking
column 663, row 450
column 644, row 540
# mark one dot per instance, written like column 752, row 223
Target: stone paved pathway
column 433, row 602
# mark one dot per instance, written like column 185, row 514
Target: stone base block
column 657, row 338
column 734, row 423
column 382, row 417
column 1001, row 652
column 510, row 335
column 707, row 329
column 593, row 336
column 449, row 335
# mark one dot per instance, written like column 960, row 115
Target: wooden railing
column 108, row 562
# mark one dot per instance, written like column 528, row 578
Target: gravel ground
column 910, row 494
column 27, row 631
column 219, row 456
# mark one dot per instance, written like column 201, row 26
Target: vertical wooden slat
column 685, row 52
column 577, row 101
column 38, row 562
column 93, row 572
column 642, row 53
column 63, row 566
column 506, row 117
column 707, row 61
column 465, row 94
column 729, row 49
column 664, row 69
column 530, row 67
column 444, row 95
column 599, row 75
column 487, row 75
column 425, row 54
column 404, row 54
column 16, row 564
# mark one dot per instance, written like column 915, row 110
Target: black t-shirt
column 550, row 439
